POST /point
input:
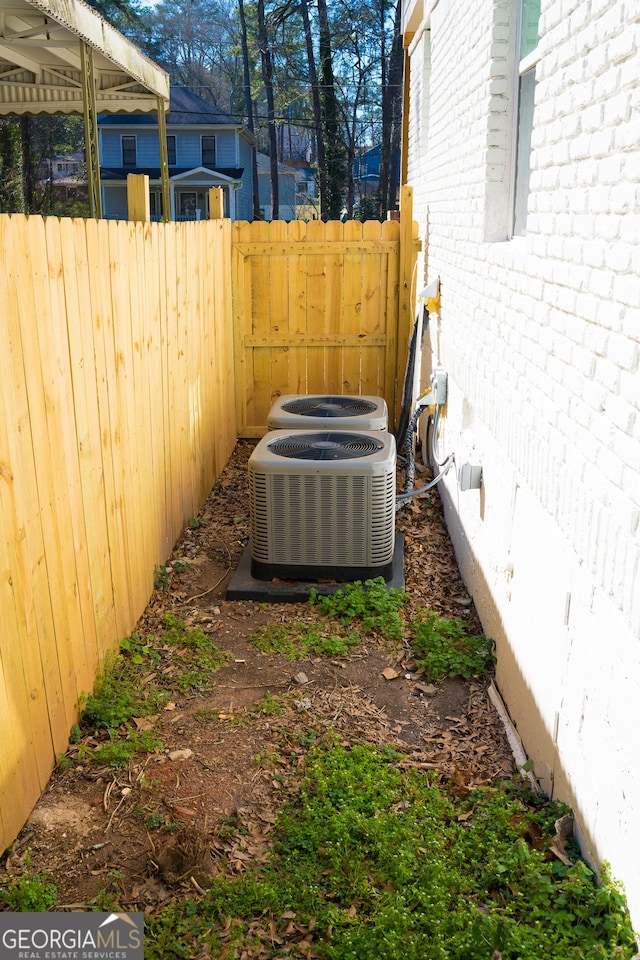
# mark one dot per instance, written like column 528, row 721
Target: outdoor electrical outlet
column 439, row 385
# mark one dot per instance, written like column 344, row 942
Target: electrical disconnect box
column 439, row 385
column 437, row 395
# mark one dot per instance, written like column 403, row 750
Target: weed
column 301, row 640
column 206, row 714
column 108, row 899
column 374, row 863
column 118, row 751
column 75, row 734
column 272, row 706
column 64, row 762
column 372, row 604
column 153, row 819
column 195, row 522
column 161, row 577
column 181, row 566
column 29, row 895
column 139, row 650
column 117, row 695
column 195, row 654
column 442, row 647
column 268, row 758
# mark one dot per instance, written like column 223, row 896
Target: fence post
column 138, row 203
column 408, row 250
column 216, row 203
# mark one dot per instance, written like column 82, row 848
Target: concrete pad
column 243, row 586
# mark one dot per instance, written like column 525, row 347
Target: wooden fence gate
column 320, row 308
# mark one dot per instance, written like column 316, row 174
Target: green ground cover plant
column 119, row 698
column 300, row 640
column 374, row 862
column 29, row 894
column 372, row 604
column 443, row 648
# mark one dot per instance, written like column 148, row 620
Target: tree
column 198, row 43
column 248, row 101
column 391, row 117
column 317, row 110
column 267, row 76
column 333, row 143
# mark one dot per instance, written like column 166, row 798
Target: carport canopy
column 62, row 57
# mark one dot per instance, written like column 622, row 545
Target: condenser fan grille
column 328, row 407
column 325, row 446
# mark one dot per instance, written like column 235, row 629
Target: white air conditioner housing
column 322, row 505
column 317, row 412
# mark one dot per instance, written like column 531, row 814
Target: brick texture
column 540, row 336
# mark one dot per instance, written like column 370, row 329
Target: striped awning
column 41, row 44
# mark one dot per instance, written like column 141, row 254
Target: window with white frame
column 527, row 59
column 208, row 151
column 129, row 153
column 171, row 149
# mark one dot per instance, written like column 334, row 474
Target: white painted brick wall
column 540, row 336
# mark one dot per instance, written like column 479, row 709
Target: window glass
column 128, row 151
column 530, row 18
column 187, row 205
column 208, row 151
column 171, row 149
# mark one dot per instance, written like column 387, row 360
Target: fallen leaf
column 389, row 673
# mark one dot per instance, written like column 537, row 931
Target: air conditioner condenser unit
column 316, row 412
column 322, row 505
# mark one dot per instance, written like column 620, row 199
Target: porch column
column 232, row 202
column 167, row 212
column 91, row 150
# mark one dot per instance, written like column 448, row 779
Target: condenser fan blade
column 325, row 446
column 328, row 407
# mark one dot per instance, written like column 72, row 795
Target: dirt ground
column 155, row 830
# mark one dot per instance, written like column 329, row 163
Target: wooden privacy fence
column 320, row 308
column 116, row 400
column 122, row 350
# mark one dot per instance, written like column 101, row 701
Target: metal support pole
column 92, row 157
column 164, row 161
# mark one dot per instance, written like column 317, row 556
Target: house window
column 527, row 59
column 208, row 151
column 128, row 151
column 187, row 206
column 155, row 205
column 171, row 149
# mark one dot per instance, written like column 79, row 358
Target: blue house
column 287, row 189
column 206, row 148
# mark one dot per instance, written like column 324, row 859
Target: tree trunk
column 391, row 119
column 248, row 104
column 267, row 76
column 334, row 148
column 317, row 111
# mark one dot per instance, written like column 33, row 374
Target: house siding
column 243, row 197
column 540, row 337
column 188, row 147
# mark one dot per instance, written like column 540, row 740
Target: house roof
column 121, row 173
column 41, row 68
column 264, row 166
column 185, row 109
